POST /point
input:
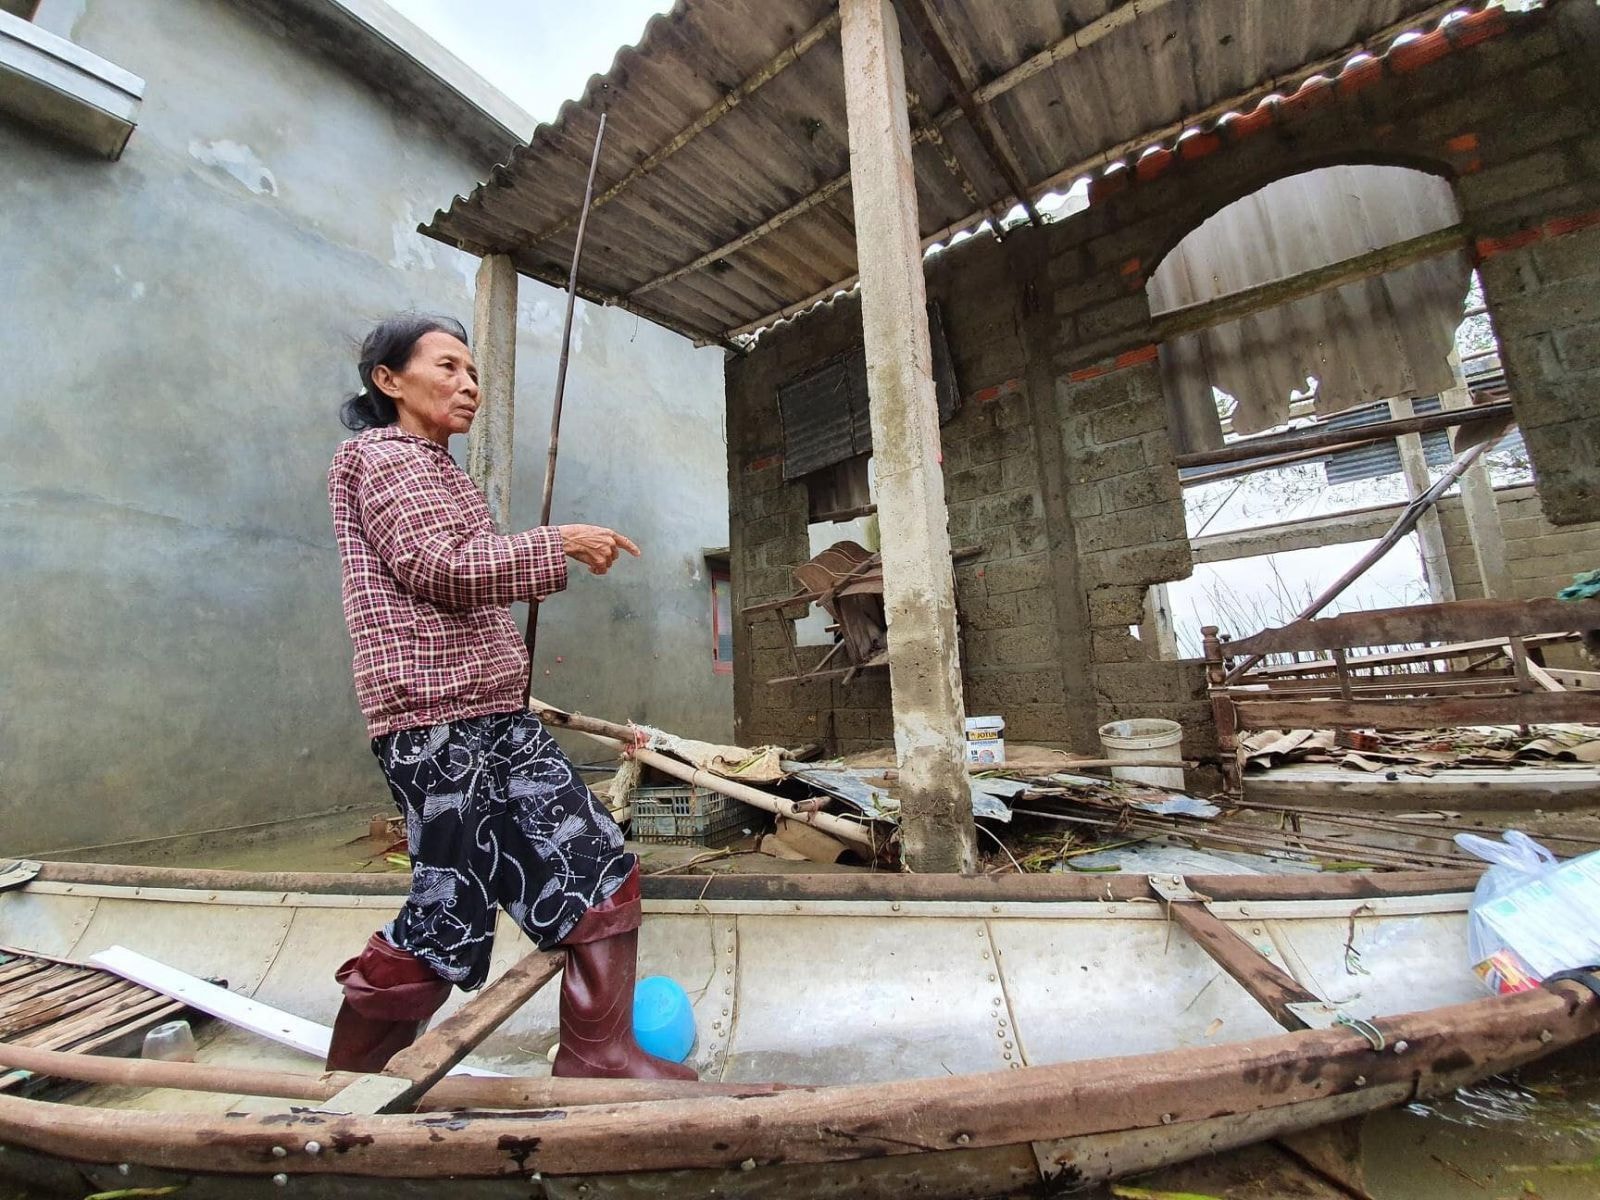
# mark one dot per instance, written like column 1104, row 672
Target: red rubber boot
column 389, row 994
column 597, row 996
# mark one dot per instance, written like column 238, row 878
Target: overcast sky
column 538, row 52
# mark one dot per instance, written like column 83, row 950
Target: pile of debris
column 1041, row 810
column 1425, row 752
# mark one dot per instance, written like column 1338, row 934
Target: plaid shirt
column 427, row 581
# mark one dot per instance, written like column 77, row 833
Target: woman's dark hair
column 389, row 344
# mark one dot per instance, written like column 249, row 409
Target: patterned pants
column 495, row 816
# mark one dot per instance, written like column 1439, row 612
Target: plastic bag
column 1531, row 915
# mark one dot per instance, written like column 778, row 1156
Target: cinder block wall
column 1532, row 200
column 1542, row 558
column 1059, row 464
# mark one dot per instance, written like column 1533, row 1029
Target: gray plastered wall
column 180, row 326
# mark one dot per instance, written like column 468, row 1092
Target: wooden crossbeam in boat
column 413, row 1071
column 1268, row 984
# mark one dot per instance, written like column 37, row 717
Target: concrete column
column 494, row 346
column 918, row 583
column 1479, row 505
column 1157, row 630
column 1414, row 466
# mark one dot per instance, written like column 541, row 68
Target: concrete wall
column 1542, row 558
column 180, row 327
column 1059, row 465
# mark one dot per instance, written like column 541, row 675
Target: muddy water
column 1536, row 1134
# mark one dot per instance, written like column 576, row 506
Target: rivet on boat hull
column 281, row 1179
column 1166, row 1118
column 1401, row 1047
column 1546, row 1037
column 313, row 1147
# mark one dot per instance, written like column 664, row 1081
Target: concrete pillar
column 919, row 586
column 1157, row 631
column 494, row 346
column 1479, row 505
column 1414, row 466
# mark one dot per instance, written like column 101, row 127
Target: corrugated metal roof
column 726, row 131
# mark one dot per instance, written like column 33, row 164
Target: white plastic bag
column 1531, row 915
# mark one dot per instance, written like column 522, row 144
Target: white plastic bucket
column 1141, row 740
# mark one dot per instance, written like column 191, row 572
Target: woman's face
column 436, row 392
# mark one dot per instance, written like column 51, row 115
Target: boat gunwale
column 1432, row 1050
column 1123, row 886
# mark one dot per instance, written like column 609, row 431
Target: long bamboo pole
column 614, row 734
column 532, row 634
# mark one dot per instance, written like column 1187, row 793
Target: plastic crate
column 686, row 816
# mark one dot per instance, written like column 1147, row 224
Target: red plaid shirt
column 427, row 581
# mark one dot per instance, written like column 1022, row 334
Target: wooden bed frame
column 1428, row 666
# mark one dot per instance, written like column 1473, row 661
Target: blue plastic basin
column 663, row 1018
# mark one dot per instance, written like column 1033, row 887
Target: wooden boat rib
column 1055, row 1031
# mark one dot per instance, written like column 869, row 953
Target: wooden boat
column 955, row 1037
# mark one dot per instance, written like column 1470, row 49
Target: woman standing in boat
column 496, row 817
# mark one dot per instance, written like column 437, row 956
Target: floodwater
column 1534, row 1135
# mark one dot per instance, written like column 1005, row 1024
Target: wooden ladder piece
column 409, row 1074
column 1269, row 984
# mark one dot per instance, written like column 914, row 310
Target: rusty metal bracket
column 16, row 873
column 1174, row 889
column 1319, row 1014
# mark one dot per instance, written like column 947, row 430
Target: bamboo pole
column 1403, row 525
column 611, row 733
column 532, row 633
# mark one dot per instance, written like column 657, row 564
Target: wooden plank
column 1296, row 441
column 1458, row 621
column 959, row 75
column 88, row 992
column 1430, row 531
column 1532, row 708
column 1268, row 984
column 1445, row 650
column 793, row 888
column 1570, row 679
column 417, row 1068
column 284, row 1028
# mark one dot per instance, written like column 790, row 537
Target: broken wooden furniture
column 846, row 580
column 986, row 1062
column 1429, row 666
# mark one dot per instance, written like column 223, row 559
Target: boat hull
column 987, row 997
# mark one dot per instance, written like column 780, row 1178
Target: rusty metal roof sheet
column 723, row 201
